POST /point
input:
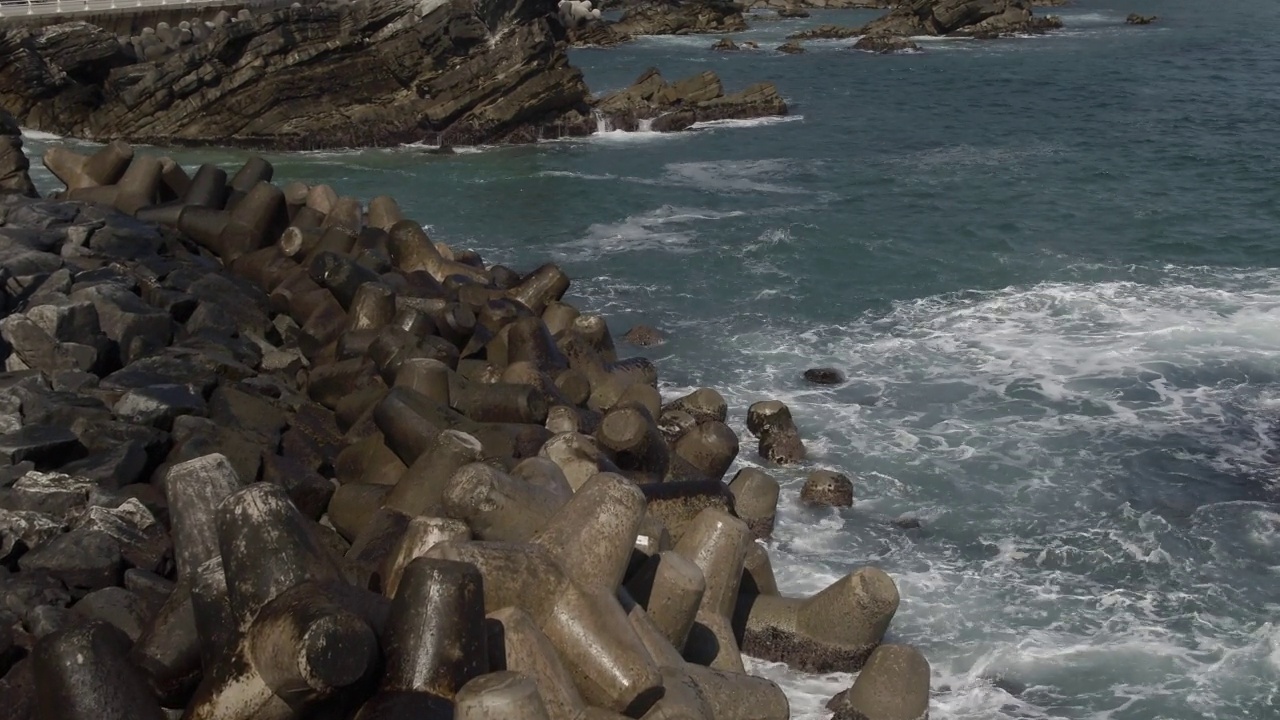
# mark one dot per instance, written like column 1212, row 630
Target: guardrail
column 26, row 8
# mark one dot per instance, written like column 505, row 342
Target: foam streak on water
column 1050, row 573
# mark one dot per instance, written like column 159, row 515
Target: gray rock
column 117, row 606
column 54, row 494
column 44, row 445
column 84, row 560
column 142, row 540
column 112, row 469
column 159, row 405
column 45, row 620
column 21, row 530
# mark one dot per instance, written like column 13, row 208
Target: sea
column 1049, row 268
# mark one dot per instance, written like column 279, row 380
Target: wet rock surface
column 189, row 526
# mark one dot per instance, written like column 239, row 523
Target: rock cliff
column 367, row 73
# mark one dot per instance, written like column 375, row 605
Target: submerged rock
column 824, row 376
column 725, row 44
column 977, row 18
column 1136, row 19
column 885, row 44
column 829, row 488
column 644, row 336
column 791, row 47
column 793, row 12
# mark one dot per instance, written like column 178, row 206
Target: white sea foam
column 39, row 135
column 1047, row 578
column 747, row 122
column 665, row 229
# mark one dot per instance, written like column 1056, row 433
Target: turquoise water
column 1048, row 267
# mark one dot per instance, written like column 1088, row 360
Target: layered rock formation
column 976, row 18
column 13, row 162
column 681, row 17
column 822, row 4
column 271, row 452
column 370, row 73
column 676, row 106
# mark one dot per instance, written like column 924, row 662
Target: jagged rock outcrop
column 372, row 73
column 688, row 17
column 13, row 162
column 826, row 32
column 597, row 34
column 676, row 106
column 376, row 72
column 822, row 4
column 977, row 18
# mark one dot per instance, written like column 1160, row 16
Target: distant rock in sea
column 974, row 18
column 885, row 44
column 1136, row 19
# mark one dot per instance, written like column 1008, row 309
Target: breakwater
column 273, row 452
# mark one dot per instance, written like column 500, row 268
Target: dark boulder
column 13, row 162
column 827, row 488
column 1136, row 19
column 824, row 376
column 791, row 47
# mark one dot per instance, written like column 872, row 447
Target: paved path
column 27, row 8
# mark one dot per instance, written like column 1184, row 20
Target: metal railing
column 26, row 8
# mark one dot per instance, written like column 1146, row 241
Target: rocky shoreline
column 333, row 75
column 272, row 452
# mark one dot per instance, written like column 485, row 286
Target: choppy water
column 1049, row 268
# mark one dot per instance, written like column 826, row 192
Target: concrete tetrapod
column 833, row 631
column 755, row 500
column 893, row 685
column 516, row 643
column 701, row 692
column 497, row 506
column 422, row 534
column 194, row 489
column 716, row 542
column 297, row 645
column 434, row 642
column 593, row 535
column 501, row 695
column 578, row 456
column 608, row 663
column 422, row 487
column 670, row 588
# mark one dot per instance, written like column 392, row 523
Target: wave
column 747, row 122
column 39, row 135
column 1093, row 466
